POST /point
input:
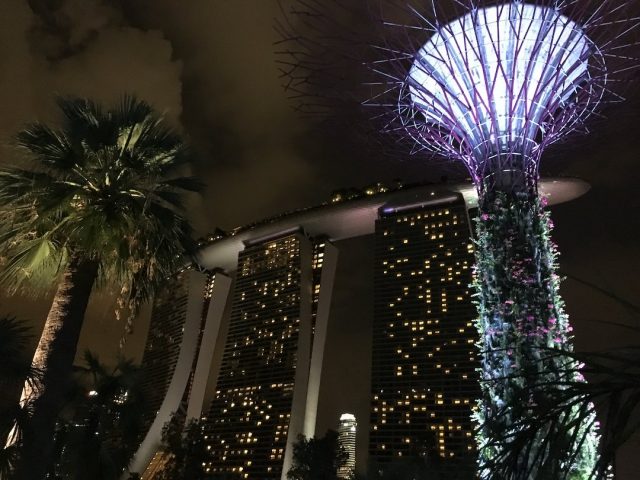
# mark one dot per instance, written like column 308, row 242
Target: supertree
column 492, row 85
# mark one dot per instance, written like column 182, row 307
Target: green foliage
column 407, row 469
column 317, row 458
column 185, row 450
column 15, row 369
column 422, row 466
column 613, row 392
column 98, row 432
column 106, row 186
column 523, row 334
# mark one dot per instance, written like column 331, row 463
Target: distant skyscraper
column 424, row 356
column 347, row 440
column 265, row 362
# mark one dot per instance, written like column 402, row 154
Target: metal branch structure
column 498, row 84
column 493, row 87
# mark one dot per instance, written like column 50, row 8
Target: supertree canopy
column 492, row 86
column 494, row 83
column 495, row 86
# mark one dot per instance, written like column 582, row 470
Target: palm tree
column 98, row 202
column 317, row 458
column 99, row 437
column 184, row 450
column 15, row 369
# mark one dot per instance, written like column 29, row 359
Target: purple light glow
column 498, row 78
column 497, row 85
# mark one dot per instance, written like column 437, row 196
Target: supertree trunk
column 523, row 331
column 54, row 358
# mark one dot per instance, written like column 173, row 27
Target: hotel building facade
column 424, row 355
column 256, row 337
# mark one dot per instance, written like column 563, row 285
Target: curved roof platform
column 354, row 218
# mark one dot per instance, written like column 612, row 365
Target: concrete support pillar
column 327, row 278
column 212, row 329
column 303, row 354
column 180, row 377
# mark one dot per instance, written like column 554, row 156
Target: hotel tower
column 424, row 355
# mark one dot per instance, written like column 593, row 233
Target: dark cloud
column 258, row 156
column 234, row 107
column 82, row 48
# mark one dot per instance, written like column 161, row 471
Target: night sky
column 210, row 65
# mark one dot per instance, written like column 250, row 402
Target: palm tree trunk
column 54, row 357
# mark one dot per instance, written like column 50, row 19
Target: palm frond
column 190, row 184
column 38, row 261
column 8, row 461
column 15, row 339
column 132, row 111
column 167, row 202
column 15, row 370
column 51, row 146
column 86, row 122
column 105, row 185
column 19, row 186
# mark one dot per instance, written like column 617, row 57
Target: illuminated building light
column 424, row 353
column 258, row 368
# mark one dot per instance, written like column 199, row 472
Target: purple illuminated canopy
column 498, row 84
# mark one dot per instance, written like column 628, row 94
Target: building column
column 212, row 329
column 327, row 278
column 303, row 354
column 180, row 377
